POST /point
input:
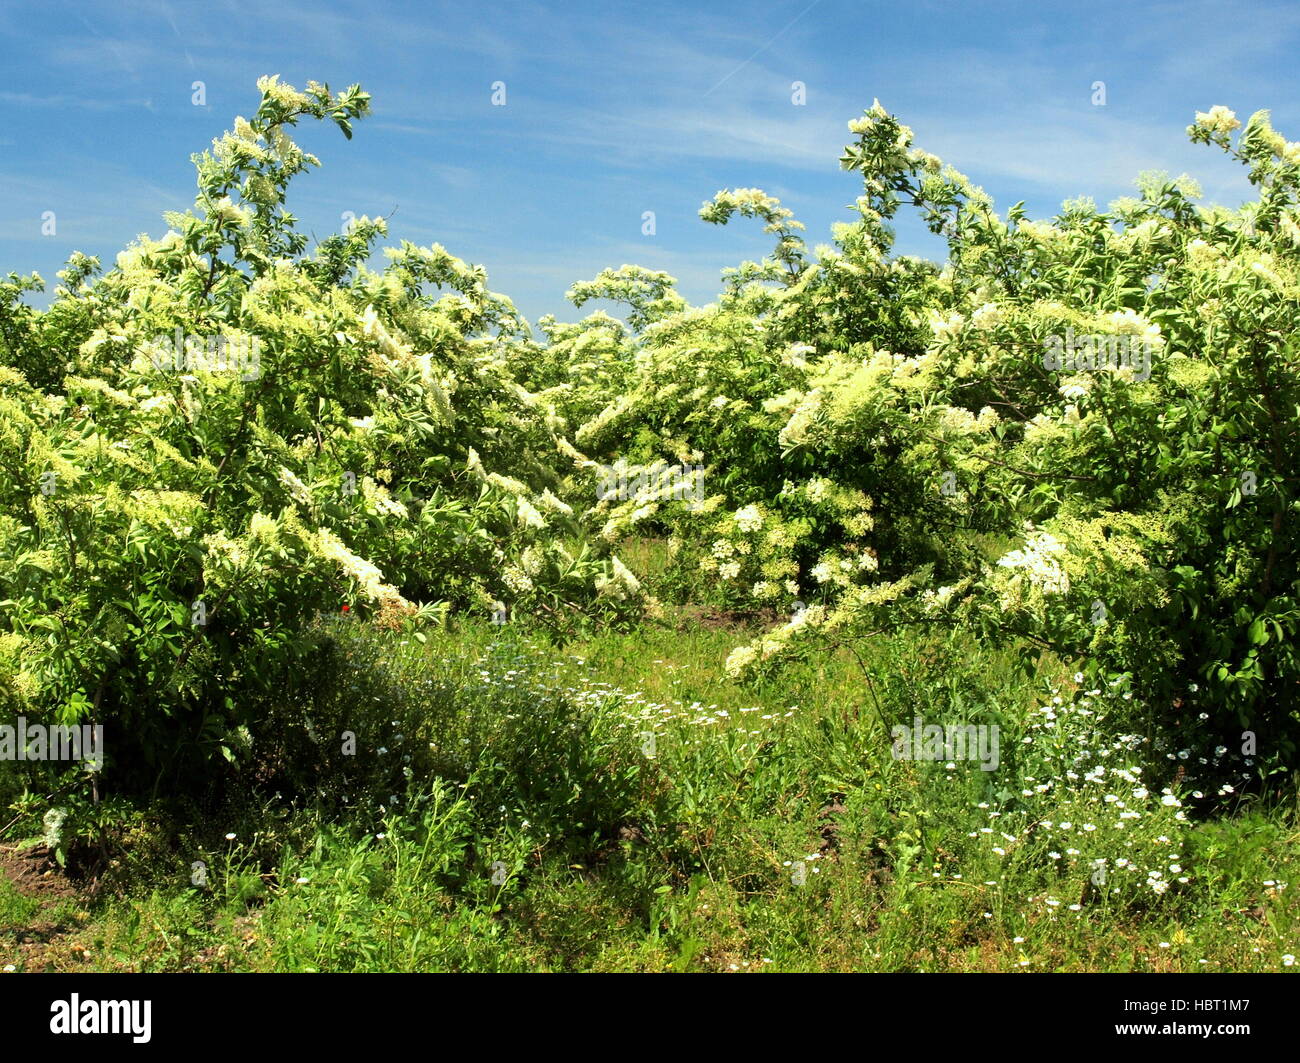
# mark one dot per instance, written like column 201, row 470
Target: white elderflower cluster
column 795, row 432
column 297, row 489
column 858, row 524
column 925, row 160
column 527, row 514
column 1130, row 323
column 1041, row 233
column 749, row 519
column 987, row 317
column 933, row 600
column 816, row 489
column 945, row 327
column 554, row 505
column 230, row 550
column 1263, row 266
column 621, row 584
column 270, row 85
column 1289, row 228
column 793, row 356
column 1201, row 254
column 516, row 580
column 531, row 560
column 739, row 659
column 366, row 574
column 382, row 501
column 1218, row 119
column 1040, row 561
column 955, row 419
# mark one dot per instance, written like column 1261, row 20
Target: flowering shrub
column 1075, row 434
column 168, row 528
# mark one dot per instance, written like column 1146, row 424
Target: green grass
column 536, row 826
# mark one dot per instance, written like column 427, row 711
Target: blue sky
column 613, row 109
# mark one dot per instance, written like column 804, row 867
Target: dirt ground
column 40, row 914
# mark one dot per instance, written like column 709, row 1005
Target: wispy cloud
column 614, row 109
column 66, row 100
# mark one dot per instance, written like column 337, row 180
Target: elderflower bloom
column 945, row 327
column 1039, row 560
column 1218, row 119
column 739, row 659
column 986, row 317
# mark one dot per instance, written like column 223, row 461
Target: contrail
column 767, row 45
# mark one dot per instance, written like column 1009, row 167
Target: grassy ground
column 618, row 804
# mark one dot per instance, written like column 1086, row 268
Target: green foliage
column 1118, row 390
column 245, row 486
column 250, row 435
